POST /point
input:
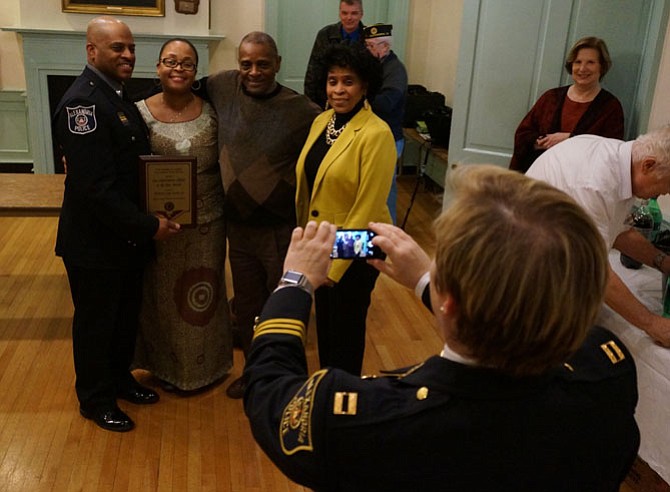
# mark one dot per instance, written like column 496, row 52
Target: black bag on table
column 419, row 99
column 438, row 121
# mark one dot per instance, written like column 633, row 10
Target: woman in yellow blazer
column 344, row 175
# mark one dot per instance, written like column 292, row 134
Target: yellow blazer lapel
column 342, row 143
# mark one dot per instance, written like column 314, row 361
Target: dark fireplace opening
column 138, row 88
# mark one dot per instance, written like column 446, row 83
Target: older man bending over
column 605, row 176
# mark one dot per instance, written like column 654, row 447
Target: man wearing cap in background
column 389, row 103
column 349, row 31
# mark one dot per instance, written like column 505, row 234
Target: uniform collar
column 115, row 85
column 624, row 169
column 447, row 376
column 448, row 353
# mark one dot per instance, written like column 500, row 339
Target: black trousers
column 256, row 255
column 104, row 329
column 341, row 312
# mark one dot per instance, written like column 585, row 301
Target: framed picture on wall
column 152, row 8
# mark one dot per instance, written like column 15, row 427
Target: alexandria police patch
column 81, row 119
column 295, row 430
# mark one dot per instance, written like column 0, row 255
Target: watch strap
column 658, row 261
column 291, row 278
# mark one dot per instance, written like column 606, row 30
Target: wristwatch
column 291, row 278
column 658, row 261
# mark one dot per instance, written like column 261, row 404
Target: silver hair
column 654, row 143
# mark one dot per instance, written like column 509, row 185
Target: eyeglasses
column 186, row 65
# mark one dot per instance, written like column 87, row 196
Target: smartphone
column 355, row 244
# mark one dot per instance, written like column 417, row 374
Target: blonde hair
column 524, row 263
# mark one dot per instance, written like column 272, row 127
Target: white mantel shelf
column 59, row 52
column 80, row 34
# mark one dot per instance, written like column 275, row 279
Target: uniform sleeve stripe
column 282, row 326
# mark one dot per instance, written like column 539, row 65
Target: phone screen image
column 355, row 244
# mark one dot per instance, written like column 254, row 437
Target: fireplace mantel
column 51, row 52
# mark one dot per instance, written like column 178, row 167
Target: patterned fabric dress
column 185, row 335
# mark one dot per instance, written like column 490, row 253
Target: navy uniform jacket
column 442, row 425
column 101, row 136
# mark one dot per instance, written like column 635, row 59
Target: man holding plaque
column 262, row 128
column 103, row 237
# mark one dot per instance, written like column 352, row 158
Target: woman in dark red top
column 583, row 107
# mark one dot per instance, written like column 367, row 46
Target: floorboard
column 199, row 442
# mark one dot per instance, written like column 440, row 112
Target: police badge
column 81, row 119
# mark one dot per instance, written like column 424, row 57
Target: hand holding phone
column 355, row 244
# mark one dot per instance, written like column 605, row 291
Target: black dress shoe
column 165, row 386
column 138, row 394
column 236, row 389
column 109, row 418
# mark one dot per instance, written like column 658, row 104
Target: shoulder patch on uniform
column 295, row 428
column 81, row 119
column 613, row 352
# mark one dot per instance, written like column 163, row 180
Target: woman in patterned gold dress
column 185, row 337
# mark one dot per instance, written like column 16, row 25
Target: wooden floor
column 197, row 442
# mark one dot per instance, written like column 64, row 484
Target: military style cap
column 377, row 30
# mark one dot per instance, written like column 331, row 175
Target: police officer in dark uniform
column 526, row 394
column 103, row 237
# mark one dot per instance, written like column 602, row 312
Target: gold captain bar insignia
column 345, row 403
column 613, row 352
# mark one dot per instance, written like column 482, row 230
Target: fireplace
column 54, row 58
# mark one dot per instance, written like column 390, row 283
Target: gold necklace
column 331, row 132
column 176, row 115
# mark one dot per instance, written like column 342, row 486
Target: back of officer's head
column 525, row 265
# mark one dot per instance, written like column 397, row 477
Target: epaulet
column 395, row 373
column 601, row 356
column 84, row 88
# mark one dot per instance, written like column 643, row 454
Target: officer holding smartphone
column 525, row 394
